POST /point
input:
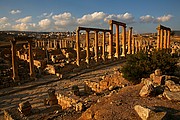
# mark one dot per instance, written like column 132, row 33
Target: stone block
column 172, row 86
column 147, row 90
column 158, row 72
column 146, row 81
column 160, row 80
column 79, row 106
column 146, row 113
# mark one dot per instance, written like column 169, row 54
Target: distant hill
column 176, row 32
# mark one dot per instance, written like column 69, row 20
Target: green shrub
column 142, row 64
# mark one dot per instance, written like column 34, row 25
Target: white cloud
column 64, row 19
column 15, row 11
column 164, row 18
column 45, row 15
column 147, row 19
column 24, row 20
column 91, row 18
column 6, row 26
column 24, row 26
column 126, row 17
column 3, row 20
column 45, row 23
column 151, row 19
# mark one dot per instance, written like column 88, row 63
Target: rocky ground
column 110, row 105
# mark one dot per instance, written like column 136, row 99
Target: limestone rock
column 50, row 69
column 174, row 96
column 148, row 114
column 160, row 80
column 146, row 81
column 146, row 90
column 158, row 72
column 79, row 106
column 172, row 86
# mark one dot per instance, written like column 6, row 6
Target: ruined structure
column 14, row 58
column 163, row 37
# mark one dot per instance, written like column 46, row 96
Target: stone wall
column 106, row 83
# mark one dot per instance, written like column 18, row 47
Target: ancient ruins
column 87, row 49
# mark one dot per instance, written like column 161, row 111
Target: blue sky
column 66, row 15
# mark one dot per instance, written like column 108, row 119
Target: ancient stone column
column 165, row 39
column 123, row 41
column 55, row 44
column 161, row 39
column 96, row 46
column 140, row 45
column 117, row 41
column 103, row 46
column 48, row 44
column 77, row 47
column 110, row 41
column 36, row 45
column 158, row 38
column 137, row 46
column 129, row 40
column 43, row 44
column 168, row 38
column 31, row 60
column 60, row 43
column 15, row 76
column 133, row 45
column 87, row 47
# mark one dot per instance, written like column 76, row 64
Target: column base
column 116, row 55
column 109, row 56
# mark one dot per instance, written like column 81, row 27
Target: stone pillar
column 161, row 39
column 129, row 40
column 96, row 46
column 43, row 44
column 55, row 44
column 103, row 46
column 124, row 41
column 15, row 76
column 168, row 38
column 140, row 45
column 165, row 39
column 36, row 44
column 60, row 43
column 137, row 46
column 117, row 41
column 87, row 47
column 133, row 45
column 77, row 47
column 31, row 60
column 158, row 38
column 110, row 41
column 48, row 44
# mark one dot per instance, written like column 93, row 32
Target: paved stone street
column 36, row 95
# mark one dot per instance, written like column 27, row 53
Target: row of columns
column 96, row 31
column 54, row 44
column 15, row 76
column 163, row 37
column 117, row 55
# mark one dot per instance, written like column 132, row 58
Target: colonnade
column 96, row 31
column 13, row 42
column 163, row 37
column 117, row 54
column 54, row 44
